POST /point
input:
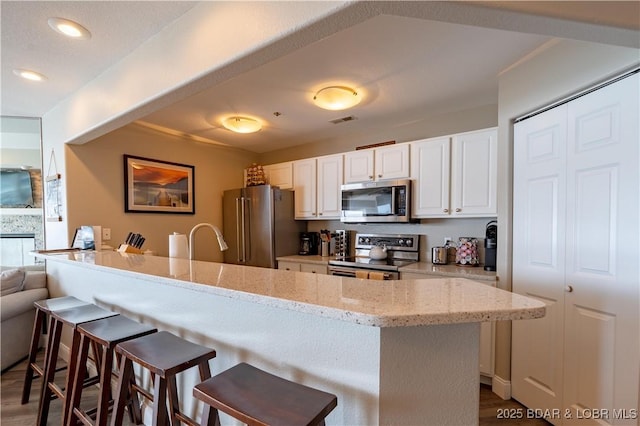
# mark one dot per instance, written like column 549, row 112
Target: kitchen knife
column 128, row 239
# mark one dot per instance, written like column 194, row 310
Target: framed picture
column 154, row 186
column 53, row 204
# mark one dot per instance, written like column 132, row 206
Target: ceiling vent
column 343, row 119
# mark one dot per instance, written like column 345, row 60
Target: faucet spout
column 221, row 241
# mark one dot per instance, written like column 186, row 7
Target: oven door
column 345, row 271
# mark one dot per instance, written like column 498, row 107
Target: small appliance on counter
column 309, row 242
column 490, row 246
column 439, row 255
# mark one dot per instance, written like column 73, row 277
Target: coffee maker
column 490, row 246
column 309, row 242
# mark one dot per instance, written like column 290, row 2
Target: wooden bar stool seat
column 71, row 317
column 256, row 397
column 104, row 334
column 164, row 355
column 43, row 309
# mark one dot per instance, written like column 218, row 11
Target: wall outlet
column 106, row 234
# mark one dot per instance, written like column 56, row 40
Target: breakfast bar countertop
column 397, row 303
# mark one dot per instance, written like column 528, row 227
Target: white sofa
column 18, row 313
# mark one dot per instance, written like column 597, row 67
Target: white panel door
column 304, row 184
column 430, row 165
column 358, row 166
column 392, row 162
column 539, row 256
column 474, row 173
column 330, row 176
column 603, row 228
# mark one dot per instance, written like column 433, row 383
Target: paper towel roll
column 178, row 246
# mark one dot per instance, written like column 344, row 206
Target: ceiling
column 404, row 68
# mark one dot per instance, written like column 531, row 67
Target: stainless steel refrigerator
column 259, row 225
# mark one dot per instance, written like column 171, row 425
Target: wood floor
column 12, row 413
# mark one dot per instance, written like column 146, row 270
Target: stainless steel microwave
column 384, row 201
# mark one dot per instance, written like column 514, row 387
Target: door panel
column 539, row 257
column 603, row 210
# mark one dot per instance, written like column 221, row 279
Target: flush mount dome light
column 29, row 75
column 69, row 28
column 242, row 124
column 336, row 98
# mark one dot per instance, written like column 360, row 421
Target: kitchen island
column 394, row 352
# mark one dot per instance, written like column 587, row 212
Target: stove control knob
column 367, row 240
column 401, row 242
column 409, row 242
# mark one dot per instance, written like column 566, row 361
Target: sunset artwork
column 157, row 186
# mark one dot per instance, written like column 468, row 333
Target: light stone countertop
column 368, row 302
column 471, row 272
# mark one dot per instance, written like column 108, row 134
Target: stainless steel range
column 401, row 250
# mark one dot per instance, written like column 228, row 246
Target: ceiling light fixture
column 69, row 28
column 336, row 98
column 241, row 124
column 29, row 75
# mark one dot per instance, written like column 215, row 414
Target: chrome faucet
column 221, row 241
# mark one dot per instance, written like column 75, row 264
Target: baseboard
column 501, row 387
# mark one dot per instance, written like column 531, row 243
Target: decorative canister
column 467, row 252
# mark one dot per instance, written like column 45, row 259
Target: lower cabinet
column 487, row 329
column 313, row 268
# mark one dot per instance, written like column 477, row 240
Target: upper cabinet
column 455, row 175
column 280, row 175
column 389, row 162
column 474, row 173
column 317, row 187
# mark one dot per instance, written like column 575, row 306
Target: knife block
column 126, row 248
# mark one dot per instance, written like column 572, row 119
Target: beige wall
column 563, row 68
column 431, row 126
column 96, row 190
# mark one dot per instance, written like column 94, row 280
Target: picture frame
column 53, row 202
column 156, row 186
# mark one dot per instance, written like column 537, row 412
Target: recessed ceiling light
column 336, row 98
column 69, row 28
column 241, row 124
column 29, row 75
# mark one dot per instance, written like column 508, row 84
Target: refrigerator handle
column 244, row 231
column 238, row 222
column 246, row 237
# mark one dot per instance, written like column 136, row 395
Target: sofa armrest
column 18, row 303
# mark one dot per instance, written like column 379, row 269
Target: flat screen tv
column 15, row 188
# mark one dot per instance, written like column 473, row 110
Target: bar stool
column 43, row 309
column 256, row 397
column 71, row 317
column 164, row 355
column 105, row 334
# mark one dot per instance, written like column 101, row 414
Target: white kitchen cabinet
column 387, row 162
column 474, row 175
column 304, row 184
column 313, row 268
column 456, row 175
column 430, row 173
column 317, row 187
column 280, row 175
column 15, row 251
column 575, row 247
column 330, row 177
